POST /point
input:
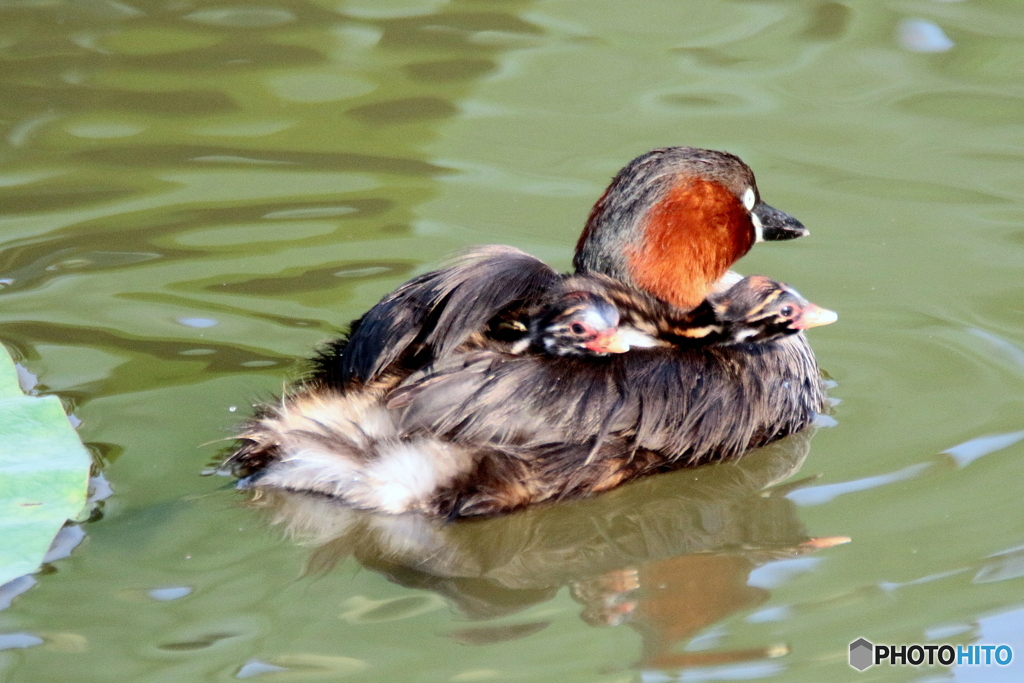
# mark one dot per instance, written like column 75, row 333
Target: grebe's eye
column 577, row 328
column 786, row 311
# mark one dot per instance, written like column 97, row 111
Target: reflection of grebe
column 465, row 435
column 670, row 601
column 669, row 555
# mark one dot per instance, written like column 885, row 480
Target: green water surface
column 194, row 194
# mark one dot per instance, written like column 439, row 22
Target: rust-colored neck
column 690, row 238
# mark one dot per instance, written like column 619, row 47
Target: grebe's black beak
column 775, row 225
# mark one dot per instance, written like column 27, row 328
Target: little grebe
column 384, row 452
column 434, row 403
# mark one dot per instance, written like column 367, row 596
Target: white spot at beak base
column 758, row 228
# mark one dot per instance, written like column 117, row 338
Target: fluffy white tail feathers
column 350, row 447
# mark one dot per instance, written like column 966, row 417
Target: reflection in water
column 669, row 556
column 174, row 163
column 921, row 35
column 162, row 155
column 221, row 358
column 129, row 189
column 315, row 278
column 828, row 21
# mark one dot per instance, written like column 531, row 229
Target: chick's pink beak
column 610, row 341
column 815, row 316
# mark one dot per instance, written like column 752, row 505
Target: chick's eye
column 577, row 328
column 786, row 311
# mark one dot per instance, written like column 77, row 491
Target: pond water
column 193, row 195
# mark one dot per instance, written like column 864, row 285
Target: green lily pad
column 44, row 474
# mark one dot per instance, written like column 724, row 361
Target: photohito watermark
column 864, row 653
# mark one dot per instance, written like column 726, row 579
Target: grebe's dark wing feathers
column 442, row 308
column 493, row 398
column 653, row 399
column 696, row 405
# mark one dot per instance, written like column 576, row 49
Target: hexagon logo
column 861, row 654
